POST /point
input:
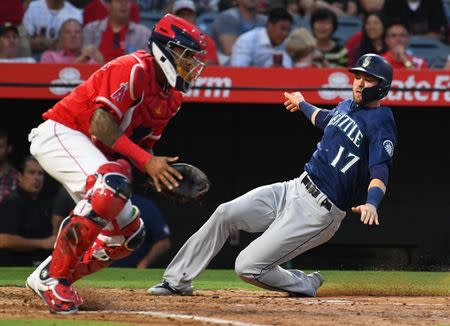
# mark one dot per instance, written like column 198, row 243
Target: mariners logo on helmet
column 366, row 61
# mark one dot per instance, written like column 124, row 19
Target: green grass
column 351, row 282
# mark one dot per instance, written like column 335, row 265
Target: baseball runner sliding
column 77, row 139
column 348, row 170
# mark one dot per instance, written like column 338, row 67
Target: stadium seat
column 151, row 17
column 347, row 26
column 205, row 20
column 433, row 51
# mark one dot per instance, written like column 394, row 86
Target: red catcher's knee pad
column 109, row 189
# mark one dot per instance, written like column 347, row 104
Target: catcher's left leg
column 112, row 245
column 107, row 198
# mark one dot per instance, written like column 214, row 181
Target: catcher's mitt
column 192, row 188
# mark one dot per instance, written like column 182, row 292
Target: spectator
column 186, row 9
column 62, row 206
column 300, row 11
column 366, row 7
column 339, row 7
column 25, row 226
column 301, row 45
column 70, row 43
column 10, row 45
column 447, row 65
column 372, row 39
column 306, row 7
column 12, row 11
column 44, row 18
column 80, row 4
column 97, row 10
column 332, row 54
column 264, row 46
column 426, row 18
column 233, row 22
column 116, row 35
column 8, row 174
column 397, row 40
column 149, row 5
column 157, row 236
column 223, row 5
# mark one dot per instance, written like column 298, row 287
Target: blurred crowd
column 30, row 219
column 263, row 33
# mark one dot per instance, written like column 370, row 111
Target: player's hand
column 369, row 214
column 161, row 172
column 293, row 100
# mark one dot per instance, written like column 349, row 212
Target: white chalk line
column 346, row 302
column 219, row 321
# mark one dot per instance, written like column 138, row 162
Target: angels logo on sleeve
column 119, row 94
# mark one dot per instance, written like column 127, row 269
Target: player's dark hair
column 397, row 21
column 279, row 14
column 24, row 162
column 322, row 14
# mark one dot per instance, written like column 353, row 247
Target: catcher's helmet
column 378, row 67
column 170, row 32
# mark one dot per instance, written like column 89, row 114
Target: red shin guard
column 108, row 248
column 73, row 241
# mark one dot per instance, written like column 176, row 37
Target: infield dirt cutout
column 235, row 307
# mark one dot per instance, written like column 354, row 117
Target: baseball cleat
column 58, row 294
column 316, row 280
column 165, row 289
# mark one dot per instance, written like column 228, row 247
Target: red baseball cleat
column 58, row 294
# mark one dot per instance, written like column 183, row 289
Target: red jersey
column 126, row 87
column 417, row 63
column 96, row 10
column 113, row 45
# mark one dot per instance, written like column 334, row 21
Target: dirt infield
column 236, row 307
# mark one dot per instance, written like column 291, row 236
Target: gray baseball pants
column 292, row 222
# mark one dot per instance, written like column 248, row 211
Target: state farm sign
column 440, row 81
column 210, row 83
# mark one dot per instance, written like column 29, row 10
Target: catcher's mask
column 378, row 67
column 176, row 43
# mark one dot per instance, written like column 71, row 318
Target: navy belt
column 314, row 191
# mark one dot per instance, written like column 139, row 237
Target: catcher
column 82, row 131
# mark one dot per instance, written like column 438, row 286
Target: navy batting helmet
column 378, row 67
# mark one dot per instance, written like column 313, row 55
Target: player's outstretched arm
column 368, row 211
column 296, row 102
